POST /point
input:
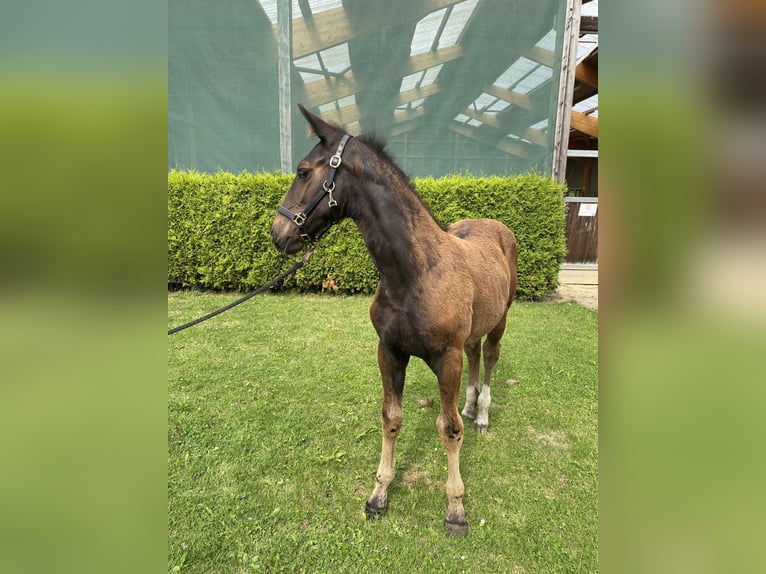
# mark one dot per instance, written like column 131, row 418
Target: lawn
column 274, row 440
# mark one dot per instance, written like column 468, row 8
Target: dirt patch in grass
column 554, row 439
column 415, row 474
column 585, row 295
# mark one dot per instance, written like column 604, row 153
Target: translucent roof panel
column 588, row 106
column 420, row 79
column 534, row 79
column 270, row 7
column 516, row 72
column 548, row 42
column 430, row 76
column 336, row 59
column 307, row 63
column 336, row 104
column 442, row 28
column 411, row 81
column 590, row 8
column 426, row 31
column 483, row 101
column 309, row 77
column 587, row 42
column 316, row 66
column 311, row 62
column 498, row 106
column 456, row 23
column 586, row 45
column 318, row 6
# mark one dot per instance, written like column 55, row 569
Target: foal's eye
column 303, row 173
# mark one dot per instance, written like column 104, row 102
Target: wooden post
column 285, row 49
column 566, row 89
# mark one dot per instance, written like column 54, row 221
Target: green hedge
column 219, row 230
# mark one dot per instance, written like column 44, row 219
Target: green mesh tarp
column 455, row 86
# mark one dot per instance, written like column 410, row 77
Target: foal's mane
column 377, row 144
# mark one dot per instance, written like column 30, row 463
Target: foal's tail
column 511, row 252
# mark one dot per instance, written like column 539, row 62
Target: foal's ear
column 318, row 127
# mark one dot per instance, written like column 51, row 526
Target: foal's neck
column 398, row 230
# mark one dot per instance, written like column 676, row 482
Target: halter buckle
column 299, row 219
column 335, row 161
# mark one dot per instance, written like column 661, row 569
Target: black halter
column 328, row 187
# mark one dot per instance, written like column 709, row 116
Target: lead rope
column 293, row 269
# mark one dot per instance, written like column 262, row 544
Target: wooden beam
column 323, row 91
column 587, row 74
column 349, row 114
column 321, row 31
column 345, row 116
column 488, row 119
column 421, row 62
column 585, row 124
column 541, row 56
column 535, row 136
column 407, row 115
column 416, row 93
column 332, row 27
column 508, row 146
column 521, row 100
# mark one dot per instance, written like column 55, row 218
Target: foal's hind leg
column 473, row 353
column 393, row 367
column 491, row 349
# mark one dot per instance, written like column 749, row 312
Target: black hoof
column 373, row 512
column 458, row 528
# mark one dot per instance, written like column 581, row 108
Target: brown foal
column 441, row 290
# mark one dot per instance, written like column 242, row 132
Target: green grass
column 274, row 440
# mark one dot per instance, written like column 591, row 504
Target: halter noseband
column 328, row 187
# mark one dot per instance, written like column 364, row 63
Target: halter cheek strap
column 328, row 187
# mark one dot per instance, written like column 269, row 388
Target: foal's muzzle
column 284, row 236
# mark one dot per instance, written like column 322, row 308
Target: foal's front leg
column 393, row 366
column 448, row 369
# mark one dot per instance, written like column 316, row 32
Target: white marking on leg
column 385, row 474
column 471, row 394
column 485, row 399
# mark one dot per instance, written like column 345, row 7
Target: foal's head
column 319, row 194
